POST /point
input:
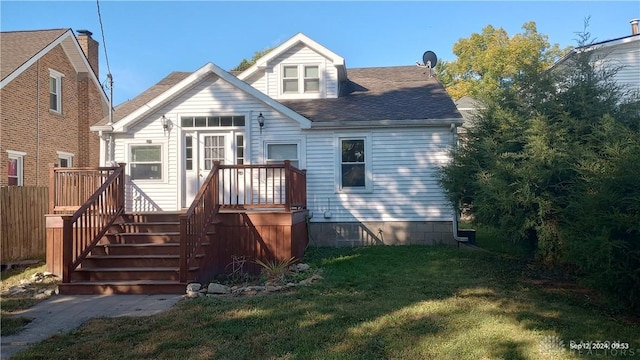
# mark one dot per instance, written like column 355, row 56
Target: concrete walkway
column 63, row 313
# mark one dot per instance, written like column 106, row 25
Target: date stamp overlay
column 553, row 345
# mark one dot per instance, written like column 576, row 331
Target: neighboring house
column 468, row 107
column 622, row 54
column 49, row 97
column 370, row 140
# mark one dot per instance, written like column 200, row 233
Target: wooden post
column 183, row 248
column 303, row 189
column 67, row 248
column 121, row 186
column 287, row 185
column 52, row 189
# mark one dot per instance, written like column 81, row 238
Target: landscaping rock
column 193, row 290
column 215, row 288
column 300, row 267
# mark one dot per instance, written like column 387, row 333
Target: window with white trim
column 145, row 162
column 354, row 164
column 55, row 91
column 65, row 159
column 277, row 153
column 15, row 168
column 300, row 79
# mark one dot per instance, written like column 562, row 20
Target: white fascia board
column 103, row 128
column 370, row 124
column 198, row 75
column 594, row 47
column 298, row 38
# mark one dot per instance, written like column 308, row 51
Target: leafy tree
column 490, row 59
column 245, row 64
column 553, row 162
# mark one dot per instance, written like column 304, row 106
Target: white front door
column 201, row 150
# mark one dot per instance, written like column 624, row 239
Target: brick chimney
column 90, row 49
column 634, row 26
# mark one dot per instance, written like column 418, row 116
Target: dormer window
column 300, row 79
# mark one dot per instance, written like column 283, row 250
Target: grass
column 386, row 302
column 9, row 303
column 492, row 240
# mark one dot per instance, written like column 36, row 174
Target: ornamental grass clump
column 276, row 271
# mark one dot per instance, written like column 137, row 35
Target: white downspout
column 454, row 222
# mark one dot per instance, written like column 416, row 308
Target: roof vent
column 634, row 26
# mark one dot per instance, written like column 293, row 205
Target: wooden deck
column 101, row 249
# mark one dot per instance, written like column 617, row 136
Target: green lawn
column 387, row 302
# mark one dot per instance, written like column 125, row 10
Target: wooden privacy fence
column 22, row 222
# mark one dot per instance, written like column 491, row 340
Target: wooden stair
column 140, row 254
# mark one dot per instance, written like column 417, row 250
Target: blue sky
column 146, row 40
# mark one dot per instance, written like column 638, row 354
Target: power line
column 104, row 43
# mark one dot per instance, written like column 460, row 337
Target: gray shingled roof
column 382, row 93
column 17, row 47
column 127, row 107
column 379, row 93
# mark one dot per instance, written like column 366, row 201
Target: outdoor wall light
column 261, row 122
column 166, row 124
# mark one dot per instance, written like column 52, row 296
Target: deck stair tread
column 126, row 282
column 162, row 256
column 144, row 233
column 147, row 244
column 134, row 269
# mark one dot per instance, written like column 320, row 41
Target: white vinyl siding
column 403, row 170
column 403, row 161
column 210, row 97
column 627, row 57
column 271, row 80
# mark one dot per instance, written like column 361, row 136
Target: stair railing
column 195, row 222
column 82, row 230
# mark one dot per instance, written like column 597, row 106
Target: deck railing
column 93, row 217
column 69, row 188
column 274, row 186
column 195, row 222
column 263, row 186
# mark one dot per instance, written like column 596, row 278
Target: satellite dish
column 429, row 59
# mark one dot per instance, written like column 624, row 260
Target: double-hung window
column 277, row 153
column 65, row 159
column 15, row 168
column 146, row 162
column 354, row 164
column 55, row 91
column 300, row 79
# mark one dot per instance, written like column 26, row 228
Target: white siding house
column 370, row 140
column 621, row 54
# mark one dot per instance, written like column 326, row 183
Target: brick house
column 49, row 96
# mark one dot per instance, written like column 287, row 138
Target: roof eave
column 388, row 123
